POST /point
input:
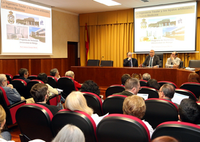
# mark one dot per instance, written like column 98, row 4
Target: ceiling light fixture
column 145, row 0
column 108, row 2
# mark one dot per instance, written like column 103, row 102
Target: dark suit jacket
column 127, row 62
column 53, row 109
column 25, row 79
column 126, row 93
column 156, row 61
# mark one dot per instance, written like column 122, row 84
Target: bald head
column 151, row 53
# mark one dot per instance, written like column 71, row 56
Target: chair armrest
column 18, row 103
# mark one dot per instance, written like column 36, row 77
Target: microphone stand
column 100, row 60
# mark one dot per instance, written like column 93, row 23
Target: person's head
column 54, row 72
column 153, row 83
column 189, row 111
column 39, row 92
column 42, row 77
column 70, row 74
column 69, row 133
column 129, row 55
column 134, row 105
column 76, row 101
column 136, row 75
column 124, row 78
column 90, row 86
column 166, row 91
column 132, row 85
column 174, row 54
column 193, row 77
column 2, row 117
column 23, row 72
column 164, row 139
column 146, row 76
column 151, row 53
column 3, row 80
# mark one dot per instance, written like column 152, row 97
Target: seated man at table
column 23, row 73
column 129, row 61
column 132, row 87
column 173, row 61
column 72, row 75
column 152, row 60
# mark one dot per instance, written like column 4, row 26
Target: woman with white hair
column 76, row 101
column 69, row 133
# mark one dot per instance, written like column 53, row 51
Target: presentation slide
column 25, row 28
column 165, row 28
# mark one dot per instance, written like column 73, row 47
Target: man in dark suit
column 129, row 61
column 152, row 60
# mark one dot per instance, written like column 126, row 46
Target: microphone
column 100, row 60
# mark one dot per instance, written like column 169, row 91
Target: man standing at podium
column 129, row 61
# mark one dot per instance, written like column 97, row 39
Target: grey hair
column 69, row 133
column 53, row 71
column 131, row 83
column 146, row 76
column 2, row 78
column 69, row 73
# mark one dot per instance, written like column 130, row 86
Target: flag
column 86, row 41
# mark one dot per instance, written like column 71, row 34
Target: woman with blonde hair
column 76, row 101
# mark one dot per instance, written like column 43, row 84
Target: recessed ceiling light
column 108, row 2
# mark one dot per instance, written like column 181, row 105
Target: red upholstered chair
column 114, row 89
column 52, row 81
column 167, row 82
column 94, row 101
column 30, row 85
column 113, row 104
column 20, row 85
column 186, row 93
column 32, row 77
column 78, row 118
column 122, row 128
column 9, row 77
column 67, row 85
column 54, row 99
column 160, row 110
column 143, row 83
column 148, row 90
column 34, row 121
column 182, row 131
column 9, row 109
column 193, row 87
column 16, row 76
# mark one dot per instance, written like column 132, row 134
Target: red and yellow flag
column 86, row 41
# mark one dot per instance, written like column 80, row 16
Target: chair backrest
column 52, row 81
column 148, row 90
column 161, row 58
column 106, row 63
column 32, row 77
column 16, row 76
column 182, row 131
column 194, row 63
column 34, row 121
column 122, row 128
column 167, row 82
column 94, row 101
column 80, row 119
column 114, row 89
column 143, row 83
column 193, row 87
column 30, row 85
column 20, row 85
column 113, row 104
column 181, row 64
column 67, row 85
column 9, row 77
column 160, row 110
column 186, row 93
column 93, row 63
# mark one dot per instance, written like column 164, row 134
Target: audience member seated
column 39, row 93
column 5, row 135
column 153, row 83
column 146, row 76
column 76, row 101
column 90, row 86
column 193, row 77
column 167, row 92
column 189, row 111
column 124, row 78
column 135, row 106
column 72, row 75
column 55, row 73
column 164, row 139
column 173, row 61
column 136, row 75
column 132, row 87
column 23, row 73
column 43, row 77
column 69, row 133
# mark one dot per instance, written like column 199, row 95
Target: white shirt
column 170, row 62
column 149, row 127
column 97, row 118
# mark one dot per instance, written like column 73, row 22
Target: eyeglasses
column 159, row 91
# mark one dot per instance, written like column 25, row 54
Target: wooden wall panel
column 22, row 63
column 35, row 66
column 46, row 65
column 8, row 66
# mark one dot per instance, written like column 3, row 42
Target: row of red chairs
column 35, row 121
